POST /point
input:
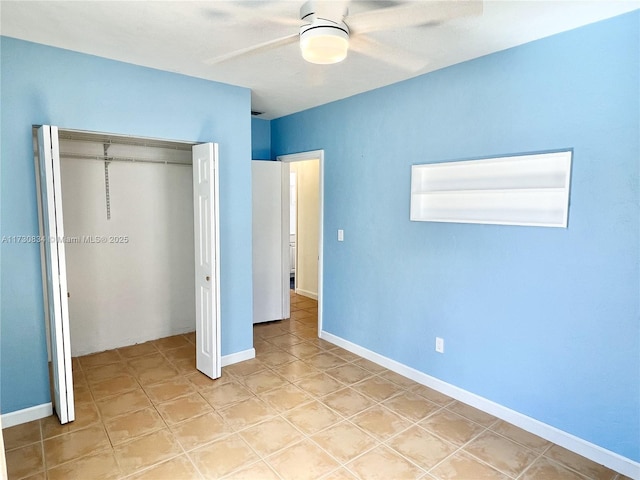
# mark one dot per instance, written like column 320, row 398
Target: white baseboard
column 589, row 450
column 306, row 293
column 27, row 415
column 238, row 357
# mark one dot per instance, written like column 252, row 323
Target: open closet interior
column 129, row 238
column 129, row 246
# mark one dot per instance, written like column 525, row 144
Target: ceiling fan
column 326, row 31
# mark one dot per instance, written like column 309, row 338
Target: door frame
column 286, row 159
column 68, row 375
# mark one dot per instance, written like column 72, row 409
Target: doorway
column 114, row 251
column 308, row 168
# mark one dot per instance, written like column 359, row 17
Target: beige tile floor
column 303, row 409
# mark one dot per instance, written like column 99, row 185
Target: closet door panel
column 54, row 267
column 207, row 248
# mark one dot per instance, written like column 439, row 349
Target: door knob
column 208, row 278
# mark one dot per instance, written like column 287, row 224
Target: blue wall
column 543, row 321
column 260, row 139
column 43, row 85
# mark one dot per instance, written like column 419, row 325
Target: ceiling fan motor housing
column 322, row 40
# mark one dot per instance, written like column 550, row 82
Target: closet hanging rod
column 114, row 158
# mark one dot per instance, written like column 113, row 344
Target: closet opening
column 129, row 227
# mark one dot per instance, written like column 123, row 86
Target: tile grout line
column 44, row 457
column 459, row 449
column 528, row 467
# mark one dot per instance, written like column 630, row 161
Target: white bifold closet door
column 207, row 255
column 207, row 271
column 55, row 270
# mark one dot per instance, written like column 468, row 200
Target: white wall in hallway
column 308, row 208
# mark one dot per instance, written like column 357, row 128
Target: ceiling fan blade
column 413, row 14
column 366, row 45
column 254, row 49
column 334, row 10
column 251, row 10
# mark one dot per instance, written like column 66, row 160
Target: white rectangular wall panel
column 528, row 190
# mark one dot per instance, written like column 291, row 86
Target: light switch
column 340, row 235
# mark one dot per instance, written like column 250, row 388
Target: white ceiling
column 183, row 37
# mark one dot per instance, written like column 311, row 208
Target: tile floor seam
column 340, row 462
column 492, row 466
column 306, row 438
column 408, row 459
column 406, row 417
column 479, row 460
column 350, row 470
column 523, row 472
column 118, row 460
column 341, row 415
column 9, row 450
column 257, row 454
column 44, row 458
column 73, row 432
column 147, row 468
column 459, row 449
column 568, row 467
column 564, row 465
column 81, row 457
column 383, row 444
column 426, row 470
column 44, row 465
column 260, row 460
column 492, row 429
column 185, row 452
column 437, row 410
column 332, row 472
column 515, row 441
column 254, row 449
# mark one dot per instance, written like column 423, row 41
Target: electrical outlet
column 439, row 345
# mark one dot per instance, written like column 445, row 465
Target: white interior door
column 266, row 185
column 55, row 290
column 207, row 264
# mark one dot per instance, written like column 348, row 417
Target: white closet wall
column 127, row 292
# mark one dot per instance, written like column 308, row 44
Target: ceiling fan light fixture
column 324, row 43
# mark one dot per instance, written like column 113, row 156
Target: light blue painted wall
column 543, row 321
column 43, row 85
column 260, row 139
